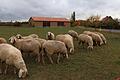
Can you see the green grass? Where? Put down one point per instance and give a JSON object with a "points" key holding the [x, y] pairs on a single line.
{"points": [[103, 63]]}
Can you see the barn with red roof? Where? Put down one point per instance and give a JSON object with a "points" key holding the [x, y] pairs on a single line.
{"points": [[48, 22]]}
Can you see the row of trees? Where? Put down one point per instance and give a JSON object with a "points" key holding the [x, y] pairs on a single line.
{"points": [[13, 23], [108, 22], [96, 22]]}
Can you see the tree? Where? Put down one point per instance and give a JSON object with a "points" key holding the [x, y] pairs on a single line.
{"points": [[94, 21], [73, 16], [72, 21]]}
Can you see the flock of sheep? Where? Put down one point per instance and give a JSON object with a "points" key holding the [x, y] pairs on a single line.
{"points": [[25, 46]]}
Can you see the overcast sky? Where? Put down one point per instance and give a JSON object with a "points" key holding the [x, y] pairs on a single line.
{"points": [[23, 9]]}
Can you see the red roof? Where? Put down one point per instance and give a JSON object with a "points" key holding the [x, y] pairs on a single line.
{"points": [[49, 19]]}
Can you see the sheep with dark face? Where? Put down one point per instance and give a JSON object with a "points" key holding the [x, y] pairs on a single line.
{"points": [[13, 56], [50, 36]]}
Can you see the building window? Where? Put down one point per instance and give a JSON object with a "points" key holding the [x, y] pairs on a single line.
{"points": [[46, 24], [60, 23]]}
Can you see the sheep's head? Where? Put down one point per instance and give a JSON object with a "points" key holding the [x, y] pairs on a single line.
{"points": [[71, 50], [50, 36], [104, 41], [22, 73], [12, 39]]}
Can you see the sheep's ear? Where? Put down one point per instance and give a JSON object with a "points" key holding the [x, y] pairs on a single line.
{"points": [[18, 36], [11, 40]]}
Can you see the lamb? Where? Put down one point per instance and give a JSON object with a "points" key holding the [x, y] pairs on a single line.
{"points": [[102, 36], [51, 47], [68, 40], [86, 39], [96, 38], [27, 45], [3, 40], [73, 33], [50, 36], [12, 56]]}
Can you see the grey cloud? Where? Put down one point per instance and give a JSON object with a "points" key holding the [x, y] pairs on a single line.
{"points": [[23, 9]]}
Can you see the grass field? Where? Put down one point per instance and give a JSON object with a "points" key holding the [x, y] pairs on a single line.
{"points": [[103, 63]]}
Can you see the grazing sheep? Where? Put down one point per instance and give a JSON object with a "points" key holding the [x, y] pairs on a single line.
{"points": [[3, 40], [26, 37], [27, 45], [34, 35], [73, 33], [13, 56], [86, 39], [96, 38], [102, 36], [41, 41], [68, 40], [50, 36], [51, 47]]}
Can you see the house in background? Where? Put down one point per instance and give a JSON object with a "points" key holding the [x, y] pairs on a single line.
{"points": [[48, 22]]}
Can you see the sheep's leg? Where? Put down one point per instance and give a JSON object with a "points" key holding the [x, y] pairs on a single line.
{"points": [[42, 58], [58, 59], [0, 67], [49, 56], [14, 70], [38, 58], [79, 43], [83, 43], [6, 68]]}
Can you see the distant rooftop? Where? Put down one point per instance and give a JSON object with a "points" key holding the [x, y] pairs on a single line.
{"points": [[49, 19]]}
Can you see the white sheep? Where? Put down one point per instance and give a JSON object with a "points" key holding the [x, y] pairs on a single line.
{"points": [[19, 36], [34, 35], [13, 56], [50, 36], [102, 36], [68, 40], [84, 38], [51, 47], [29, 45], [96, 38], [3, 40], [73, 33], [41, 41]]}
